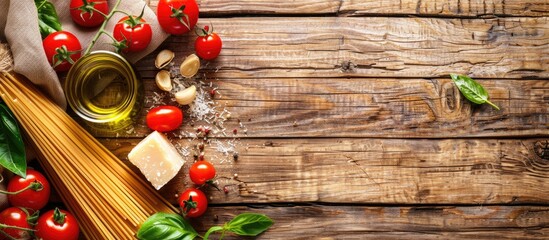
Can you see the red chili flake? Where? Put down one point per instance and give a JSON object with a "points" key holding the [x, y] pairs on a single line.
{"points": [[235, 131], [201, 157], [212, 92], [225, 189]]}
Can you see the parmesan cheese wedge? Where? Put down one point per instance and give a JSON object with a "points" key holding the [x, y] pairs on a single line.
{"points": [[157, 159]]}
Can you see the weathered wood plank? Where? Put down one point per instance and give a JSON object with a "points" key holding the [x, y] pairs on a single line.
{"points": [[411, 108], [240, 7], [373, 47], [375, 7], [450, 8], [357, 222], [357, 170]]}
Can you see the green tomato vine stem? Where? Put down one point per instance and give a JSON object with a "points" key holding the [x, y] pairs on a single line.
{"points": [[36, 186], [102, 28], [2, 226]]}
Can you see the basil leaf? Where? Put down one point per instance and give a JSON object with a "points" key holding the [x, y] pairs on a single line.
{"points": [[12, 149], [48, 21], [166, 226], [249, 224], [472, 90]]}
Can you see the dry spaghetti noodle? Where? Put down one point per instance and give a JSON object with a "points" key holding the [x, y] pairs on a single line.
{"points": [[109, 200]]}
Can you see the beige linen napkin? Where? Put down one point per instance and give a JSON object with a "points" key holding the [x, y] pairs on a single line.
{"points": [[19, 27]]}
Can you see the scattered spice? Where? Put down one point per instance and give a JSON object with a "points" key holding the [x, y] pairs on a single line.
{"points": [[207, 117]]}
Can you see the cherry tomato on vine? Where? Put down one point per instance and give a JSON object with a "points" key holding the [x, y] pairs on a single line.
{"points": [[133, 32], [62, 50], [208, 44], [83, 13], [36, 195], [201, 172], [17, 217], [57, 224], [164, 118], [177, 16], [193, 202]]}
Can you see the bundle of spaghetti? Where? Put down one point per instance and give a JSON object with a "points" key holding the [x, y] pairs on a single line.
{"points": [[109, 200]]}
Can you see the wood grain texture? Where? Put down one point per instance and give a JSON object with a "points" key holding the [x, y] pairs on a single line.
{"points": [[262, 7], [410, 108], [375, 7], [373, 47], [357, 222], [449, 8], [359, 170]]}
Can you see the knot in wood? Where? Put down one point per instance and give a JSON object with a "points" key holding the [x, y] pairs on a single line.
{"points": [[542, 149], [348, 66]]}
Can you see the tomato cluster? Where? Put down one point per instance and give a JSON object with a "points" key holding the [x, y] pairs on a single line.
{"points": [[27, 196], [193, 201], [63, 49], [178, 17]]}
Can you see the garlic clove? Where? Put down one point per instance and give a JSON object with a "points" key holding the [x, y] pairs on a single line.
{"points": [[190, 66], [186, 96], [163, 80], [164, 58]]}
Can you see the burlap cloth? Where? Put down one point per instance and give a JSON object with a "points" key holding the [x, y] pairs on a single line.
{"points": [[19, 27]]}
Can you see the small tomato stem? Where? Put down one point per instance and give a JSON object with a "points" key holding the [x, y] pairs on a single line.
{"points": [[109, 35], [493, 105], [121, 11], [2, 226], [102, 28], [37, 186], [101, 13]]}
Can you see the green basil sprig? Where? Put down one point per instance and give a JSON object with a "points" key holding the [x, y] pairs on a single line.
{"points": [[173, 226], [166, 226], [245, 224], [12, 149], [48, 21], [472, 90]]}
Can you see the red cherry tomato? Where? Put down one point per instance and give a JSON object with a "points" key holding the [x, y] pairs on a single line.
{"points": [[164, 118], [193, 202], [135, 31], [84, 15], [17, 217], [33, 198], [57, 224], [62, 50], [208, 46], [201, 172], [171, 17]]}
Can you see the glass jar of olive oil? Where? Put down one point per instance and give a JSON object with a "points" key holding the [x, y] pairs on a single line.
{"points": [[103, 89]]}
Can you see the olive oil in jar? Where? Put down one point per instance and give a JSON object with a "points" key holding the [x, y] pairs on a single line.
{"points": [[102, 88]]}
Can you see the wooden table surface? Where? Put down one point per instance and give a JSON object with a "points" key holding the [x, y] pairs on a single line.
{"points": [[354, 128]]}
